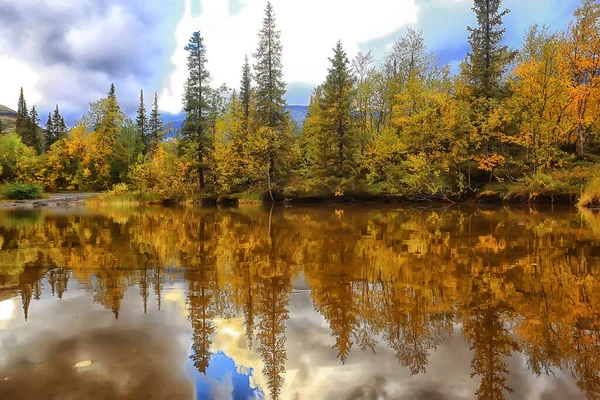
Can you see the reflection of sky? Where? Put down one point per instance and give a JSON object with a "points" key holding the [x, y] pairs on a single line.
{"points": [[224, 380], [162, 342]]}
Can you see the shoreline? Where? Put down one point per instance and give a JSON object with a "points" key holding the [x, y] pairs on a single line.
{"points": [[81, 199], [54, 200]]}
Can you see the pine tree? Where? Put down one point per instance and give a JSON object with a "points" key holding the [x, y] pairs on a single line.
{"points": [[34, 131], [112, 118], [270, 105], [141, 121], [337, 101], [245, 93], [50, 133], [271, 117], [22, 106], [59, 128], [112, 94], [488, 59], [23, 123], [155, 124], [196, 104]]}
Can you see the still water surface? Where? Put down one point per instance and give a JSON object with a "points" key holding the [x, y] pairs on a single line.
{"points": [[299, 303]]}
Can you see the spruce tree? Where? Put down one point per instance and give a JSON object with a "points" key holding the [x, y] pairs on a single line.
{"points": [[196, 103], [59, 129], [155, 124], [270, 87], [50, 132], [245, 93], [112, 118], [141, 121], [489, 58], [22, 106], [337, 101], [271, 118], [35, 139], [25, 128]]}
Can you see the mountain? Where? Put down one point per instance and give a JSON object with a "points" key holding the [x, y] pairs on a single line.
{"points": [[8, 117], [298, 114]]}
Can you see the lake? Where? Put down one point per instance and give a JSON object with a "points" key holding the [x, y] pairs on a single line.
{"points": [[328, 302]]}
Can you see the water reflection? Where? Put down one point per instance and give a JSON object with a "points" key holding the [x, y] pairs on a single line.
{"points": [[470, 303]]}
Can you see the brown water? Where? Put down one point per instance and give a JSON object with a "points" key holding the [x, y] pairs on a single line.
{"points": [[299, 303]]}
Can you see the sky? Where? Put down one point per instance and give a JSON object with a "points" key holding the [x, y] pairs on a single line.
{"points": [[67, 52]]}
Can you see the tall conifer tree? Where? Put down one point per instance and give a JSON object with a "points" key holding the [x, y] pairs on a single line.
{"points": [[141, 121], [196, 103], [245, 93], [35, 136], [489, 58], [271, 117], [337, 102], [50, 132], [23, 123], [22, 106], [155, 123], [59, 128]]}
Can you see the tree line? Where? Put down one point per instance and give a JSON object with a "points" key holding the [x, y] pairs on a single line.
{"points": [[518, 122]]}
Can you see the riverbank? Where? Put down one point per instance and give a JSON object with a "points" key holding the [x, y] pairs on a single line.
{"points": [[51, 200], [484, 198]]}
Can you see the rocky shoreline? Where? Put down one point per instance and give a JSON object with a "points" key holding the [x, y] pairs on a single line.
{"points": [[52, 201]]}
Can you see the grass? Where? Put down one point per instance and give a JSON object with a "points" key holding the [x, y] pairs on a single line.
{"points": [[590, 198], [125, 199], [21, 191], [249, 198]]}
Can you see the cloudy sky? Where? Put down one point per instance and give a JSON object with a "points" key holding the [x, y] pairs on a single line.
{"points": [[69, 51]]}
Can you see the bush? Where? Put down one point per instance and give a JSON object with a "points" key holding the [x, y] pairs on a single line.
{"points": [[21, 191]]}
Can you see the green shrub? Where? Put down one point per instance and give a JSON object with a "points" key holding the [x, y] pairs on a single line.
{"points": [[22, 191]]}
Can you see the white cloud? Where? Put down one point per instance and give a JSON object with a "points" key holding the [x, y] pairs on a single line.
{"points": [[28, 79], [309, 31]]}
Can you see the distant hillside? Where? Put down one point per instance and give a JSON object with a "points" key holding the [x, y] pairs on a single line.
{"points": [[298, 114], [8, 117]]}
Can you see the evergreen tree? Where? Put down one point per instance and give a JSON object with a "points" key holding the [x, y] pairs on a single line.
{"points": [[141, 121], [270, 105], [50, 132], [155, 124], [59, 128], [112, 94], [271, 118], [112, 118], [1, 127], [23, 123], [196, 104], [35, 132], [22, 106], [488, 59], [245, 93], [337, 101]]}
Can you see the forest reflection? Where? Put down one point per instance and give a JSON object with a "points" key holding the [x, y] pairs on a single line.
{"points": [[514, 281]]}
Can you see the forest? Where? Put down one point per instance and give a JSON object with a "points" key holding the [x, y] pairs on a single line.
{"points": [[512, 124]]}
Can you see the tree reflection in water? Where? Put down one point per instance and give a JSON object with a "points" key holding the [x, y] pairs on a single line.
{"points": [[508, 281]]}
